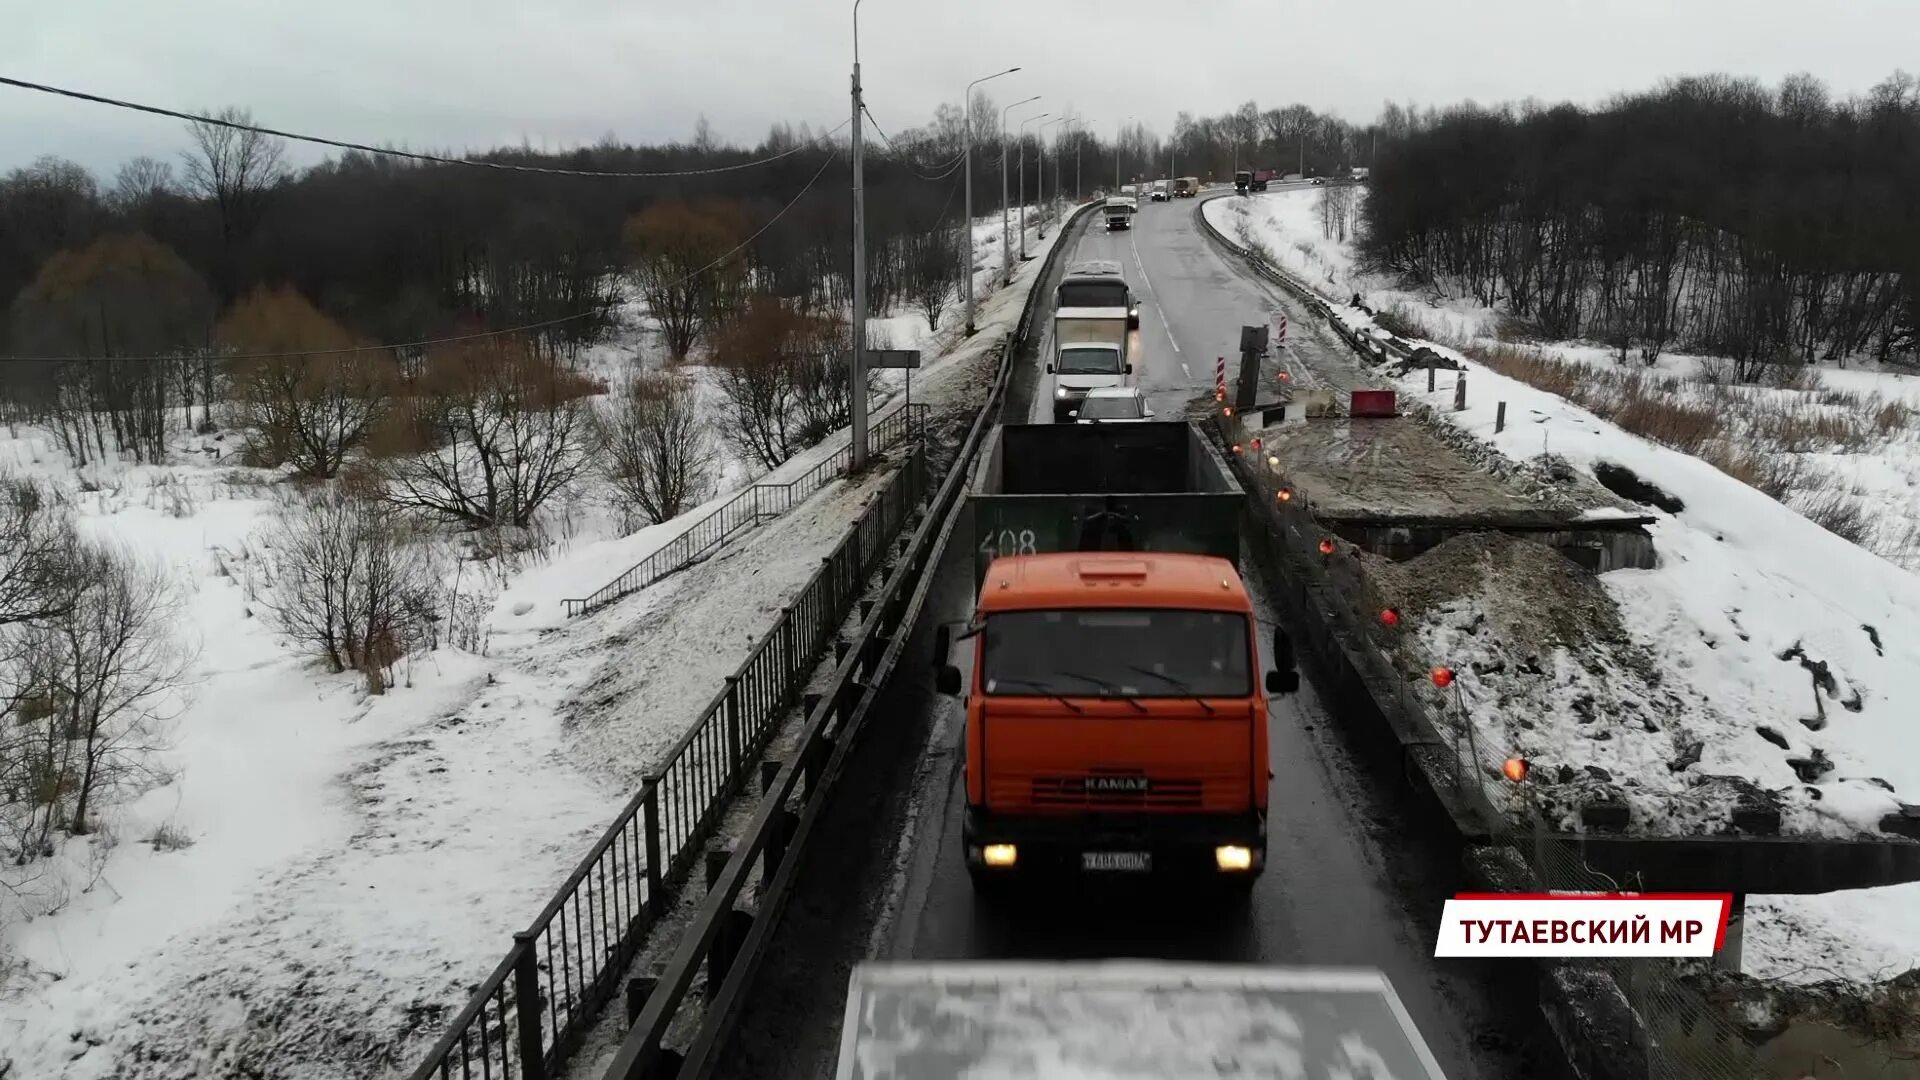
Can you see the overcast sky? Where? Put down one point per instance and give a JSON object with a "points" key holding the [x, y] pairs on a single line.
{"points": [[556, 73]]}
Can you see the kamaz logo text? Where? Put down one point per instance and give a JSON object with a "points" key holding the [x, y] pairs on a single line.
{"points": [[1130, 785]]}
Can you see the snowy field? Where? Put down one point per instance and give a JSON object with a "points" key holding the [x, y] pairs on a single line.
{"points": [[313, 877], [1782, 653]]}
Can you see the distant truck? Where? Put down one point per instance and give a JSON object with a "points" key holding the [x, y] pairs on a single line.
{"points": [[1114, 721], [947, 1020], [1361, 172], [1261, 177], [1185, 187], [1242, 180], [1119, 212]]}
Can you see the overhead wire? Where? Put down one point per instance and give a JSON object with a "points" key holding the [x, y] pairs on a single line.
{"points": [[455, 338], [435, 159], [941, 171]]}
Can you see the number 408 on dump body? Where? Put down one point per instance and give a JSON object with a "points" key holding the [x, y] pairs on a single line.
{"points": [[1008, 542]]}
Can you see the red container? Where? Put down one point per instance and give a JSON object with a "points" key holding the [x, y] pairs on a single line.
{"points": [[1373, 403]]}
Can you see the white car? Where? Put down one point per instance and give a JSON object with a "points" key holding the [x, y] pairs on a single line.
{"points": [[1113, 405]]}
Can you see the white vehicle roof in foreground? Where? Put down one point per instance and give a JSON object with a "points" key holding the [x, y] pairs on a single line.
{"points": [[1125, 1021], [1094, 268], [1114, 391]]}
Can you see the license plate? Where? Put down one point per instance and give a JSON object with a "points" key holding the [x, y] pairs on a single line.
{"points": [[1129, 862]]}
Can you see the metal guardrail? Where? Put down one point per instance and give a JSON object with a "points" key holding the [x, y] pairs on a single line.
{"points": [[723, 939], [748, 508], [569, 961], [1675, 1033]]}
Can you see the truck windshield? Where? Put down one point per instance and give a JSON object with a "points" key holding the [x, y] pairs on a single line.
{"points": [[1088, 362], [1117, 652], [1092, 294]]}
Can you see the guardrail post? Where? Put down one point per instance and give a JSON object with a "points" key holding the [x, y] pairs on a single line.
{"points": [[526, 1007], [733, 929], [776, 846], [650, 819], [639, 989], [789, 652]]}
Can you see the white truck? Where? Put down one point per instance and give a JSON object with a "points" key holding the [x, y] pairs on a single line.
{"points": [[1120, 212], [1090, 351], [1127, 1020]]}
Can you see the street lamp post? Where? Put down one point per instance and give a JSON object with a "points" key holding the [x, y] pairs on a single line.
{"points": [[966, 230], [857, 389], [1006, 241], [1041, 183], [1023, 180]]}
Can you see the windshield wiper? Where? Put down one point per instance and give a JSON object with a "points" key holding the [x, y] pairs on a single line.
{"points": [[1045, 691], [1173, 682], [1110, 688]]}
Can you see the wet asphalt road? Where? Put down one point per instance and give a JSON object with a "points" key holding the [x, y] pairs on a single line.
{"points": [[1355, 876]]}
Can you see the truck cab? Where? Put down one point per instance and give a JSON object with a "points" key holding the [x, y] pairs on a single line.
{"points": [[1119, 212], [1079, 367], [1116, 710], [1097, 286], [1242, 180]]}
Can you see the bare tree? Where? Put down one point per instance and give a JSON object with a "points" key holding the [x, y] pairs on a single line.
{"points": [[493, 431], [657, 449], [930, 260], [348, 584], [237, 169], [300, 399], [139, 182], [674, 248], [112, 669]]}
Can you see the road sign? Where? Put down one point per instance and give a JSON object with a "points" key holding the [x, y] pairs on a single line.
{"points": [[893, 358]]}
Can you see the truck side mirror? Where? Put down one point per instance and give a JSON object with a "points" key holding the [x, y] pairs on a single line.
{"points": [[942, 641], [1129, 370], [1049, 369], [1282, 651], [1282, 682], [947, 679]]}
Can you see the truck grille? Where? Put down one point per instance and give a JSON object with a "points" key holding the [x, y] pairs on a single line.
{"points": [[1161, 792]]}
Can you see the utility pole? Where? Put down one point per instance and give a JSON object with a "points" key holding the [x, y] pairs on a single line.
{"points": [[966, 228], [1023, 183], [858, 390], [1303, 155]]}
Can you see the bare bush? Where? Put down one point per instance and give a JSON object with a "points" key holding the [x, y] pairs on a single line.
{"points": [[1687, 428], [493, 430], [307, 404], [1838, 511], [657, 450], [90, 688], [348, 584], [673, 248]]}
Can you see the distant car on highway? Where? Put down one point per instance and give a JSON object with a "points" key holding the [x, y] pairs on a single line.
{"points": [[1113, 405]]}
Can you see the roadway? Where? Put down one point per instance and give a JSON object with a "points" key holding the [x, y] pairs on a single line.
{"points": [[1354, 876]]}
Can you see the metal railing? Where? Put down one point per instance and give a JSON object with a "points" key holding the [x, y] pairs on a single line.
{"points": [[568, 963], [748, 508]]}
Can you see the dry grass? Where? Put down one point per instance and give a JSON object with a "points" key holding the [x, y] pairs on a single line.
{"points": [[1891, 418], [1801, 430], [1836, 510]]}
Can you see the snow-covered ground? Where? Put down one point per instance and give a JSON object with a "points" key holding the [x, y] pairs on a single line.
{"points": [[1779, 652], [354, 864]]}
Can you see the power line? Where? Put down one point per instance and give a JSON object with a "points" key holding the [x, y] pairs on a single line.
{"points": [[434, 159], [454, 339], [942, 171]]}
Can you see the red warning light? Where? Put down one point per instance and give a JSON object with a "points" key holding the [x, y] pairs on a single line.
{"points": [[1326, 547], [1515, 769], [1286, 376], [1285, 494], [1443, 677], [1389, 617]]}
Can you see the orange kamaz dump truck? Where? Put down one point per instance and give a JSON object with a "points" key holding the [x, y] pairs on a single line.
{"points": [[1116, 713]]}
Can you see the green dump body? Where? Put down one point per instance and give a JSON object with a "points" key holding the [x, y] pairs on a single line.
{"points": [[1103, 487]]}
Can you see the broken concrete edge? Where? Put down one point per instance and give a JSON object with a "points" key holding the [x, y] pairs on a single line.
{"points": [[1592, 1021]]}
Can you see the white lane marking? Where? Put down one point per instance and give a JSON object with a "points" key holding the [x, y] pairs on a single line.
{"points": [[1164, 325]]}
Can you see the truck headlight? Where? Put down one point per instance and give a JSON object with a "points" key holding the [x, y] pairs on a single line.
{"points": [[1060, 392], [1000, 855]]}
